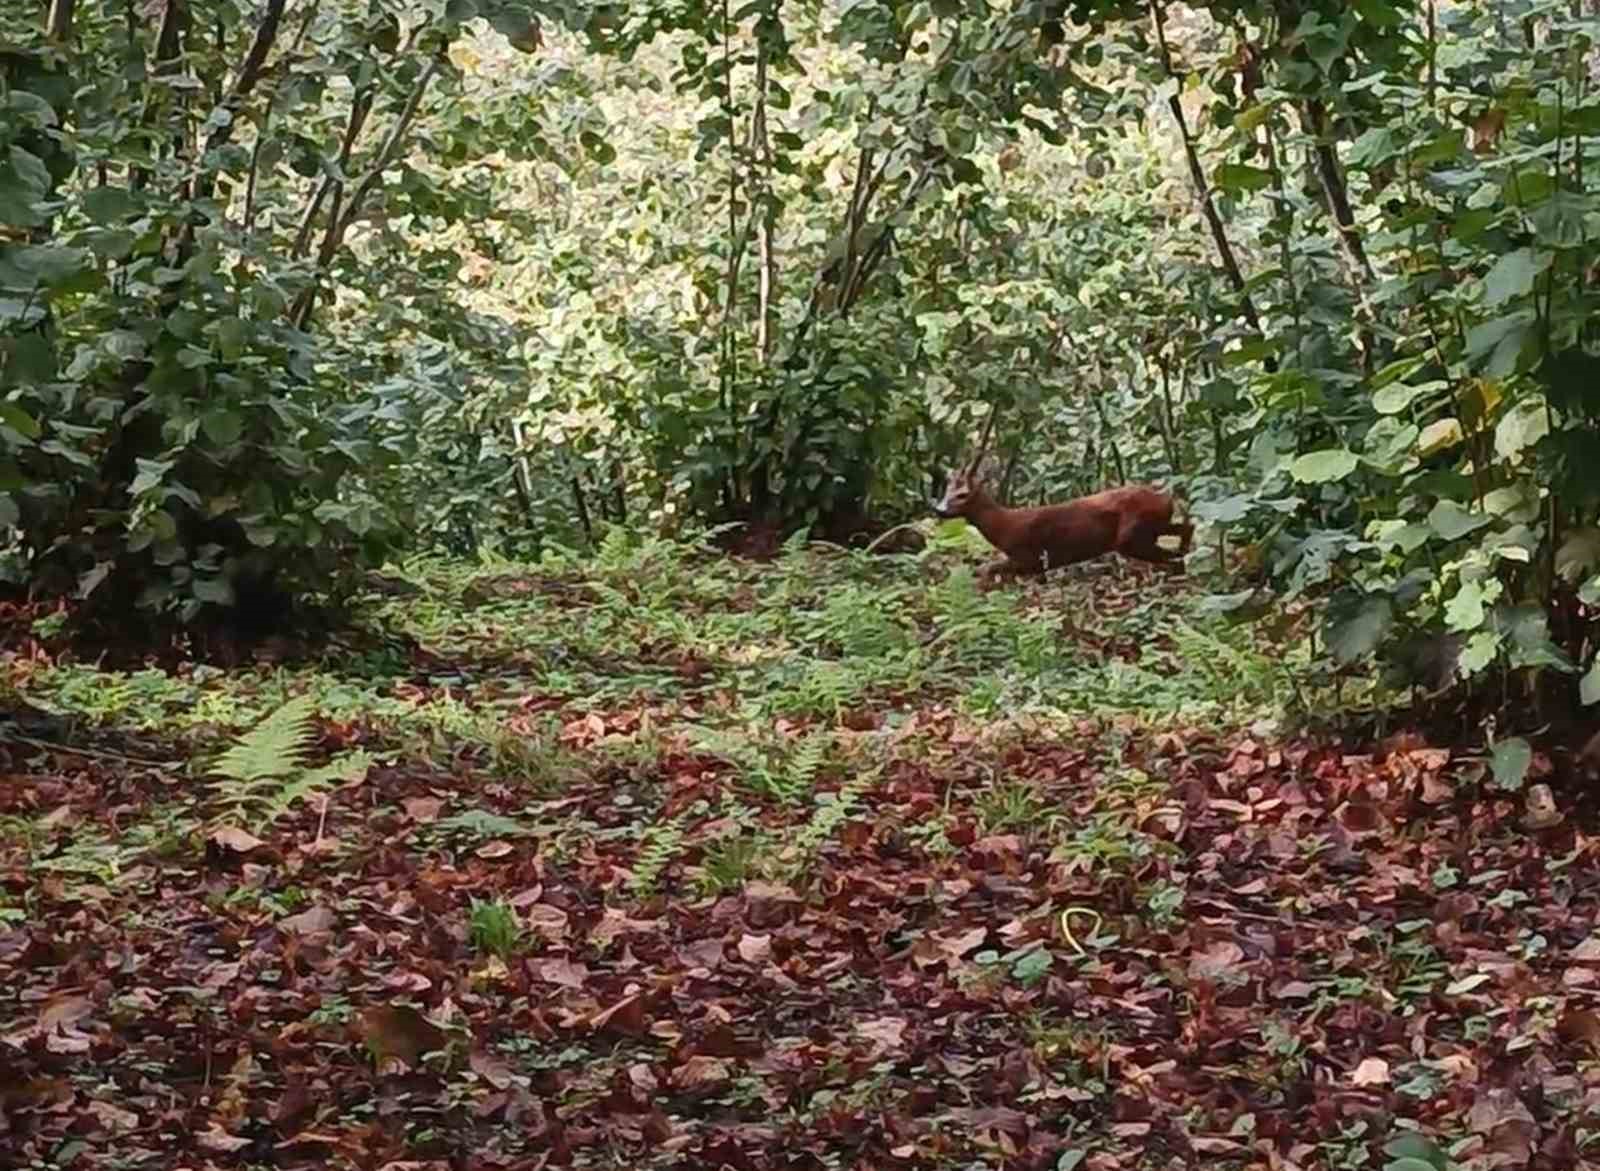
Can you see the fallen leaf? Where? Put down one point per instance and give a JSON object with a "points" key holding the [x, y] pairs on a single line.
{"points": [[400, 1031], [755, 949], [422, 810], [220, 1141], [1373, 1071], [888, 1032], [310, 921], [231, 837], [700, 1071], [1220, 957], [113, 1117]]}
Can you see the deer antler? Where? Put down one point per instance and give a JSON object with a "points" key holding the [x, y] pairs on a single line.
{"points": [[983, 441]]}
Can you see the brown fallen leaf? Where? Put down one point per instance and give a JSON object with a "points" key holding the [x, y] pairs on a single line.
{"points": [[1372, 1071], [220, 1141], [957, 945], [888, 1032], [700, 1071], [755, 949], [491, 1069], [310, 921], [113, 1117], [231, 837], [399, 1031], [422, 810], [1215, 960], [564, 972], [64, 1010]]}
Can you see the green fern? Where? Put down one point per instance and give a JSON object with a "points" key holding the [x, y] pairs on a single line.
{"points": [[263, 774], [659, 848], [832, 811]]}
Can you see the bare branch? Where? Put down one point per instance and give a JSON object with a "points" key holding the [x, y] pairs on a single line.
{"points": [[360, 107], [340, 220]]}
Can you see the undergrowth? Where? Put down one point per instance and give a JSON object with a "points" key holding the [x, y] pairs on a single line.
{"points": [[792, 685]]}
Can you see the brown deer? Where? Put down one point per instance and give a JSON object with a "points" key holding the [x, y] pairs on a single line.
{"points": [[1129, 520]]}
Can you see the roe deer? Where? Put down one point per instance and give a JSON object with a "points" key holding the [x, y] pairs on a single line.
{"points": [[1129, 520]]}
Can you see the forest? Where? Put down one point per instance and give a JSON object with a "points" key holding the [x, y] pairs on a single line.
{"points": [[524, 641]]}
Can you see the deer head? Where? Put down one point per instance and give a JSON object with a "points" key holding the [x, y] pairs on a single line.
{"points": [[966, 484]]}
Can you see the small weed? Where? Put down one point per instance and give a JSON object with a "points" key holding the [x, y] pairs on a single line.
{"points": [[1011, 805], [729, 862], [493, 928]]}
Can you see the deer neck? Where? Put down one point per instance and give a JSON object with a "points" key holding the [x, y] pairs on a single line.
{"points": [[986, 515]]}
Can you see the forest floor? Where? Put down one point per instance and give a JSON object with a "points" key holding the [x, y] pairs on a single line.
{"points": [[673, 860]]}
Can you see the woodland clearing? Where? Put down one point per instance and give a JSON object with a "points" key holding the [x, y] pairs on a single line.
{"points": [[668, 859]]}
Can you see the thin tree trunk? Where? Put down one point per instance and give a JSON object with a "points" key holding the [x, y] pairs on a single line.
{"points": [[1202, 188]]}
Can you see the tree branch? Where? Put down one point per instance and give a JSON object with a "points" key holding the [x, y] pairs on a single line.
{"points": [[1197, 175], [360, 107], [58, 25], [339, 223]]}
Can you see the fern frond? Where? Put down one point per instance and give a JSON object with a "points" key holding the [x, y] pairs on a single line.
{"points": [[275, 747], [262, 775]]}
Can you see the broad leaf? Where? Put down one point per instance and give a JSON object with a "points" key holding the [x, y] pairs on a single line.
{"points": [[1513, 275], [1452, 522], [1323, 467], [1510, 762], [1356, 634], [1527, 422]]}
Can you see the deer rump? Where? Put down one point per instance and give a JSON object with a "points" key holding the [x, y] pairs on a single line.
{"points": [[1129, 520]]}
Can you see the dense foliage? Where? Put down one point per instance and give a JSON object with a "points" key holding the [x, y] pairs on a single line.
{"points": [[1324, 267]]}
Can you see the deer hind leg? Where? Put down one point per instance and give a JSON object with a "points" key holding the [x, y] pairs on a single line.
{"points": [[1143, 544], [1184, 531]]}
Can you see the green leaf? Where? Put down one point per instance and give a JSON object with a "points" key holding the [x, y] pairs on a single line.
{"points": [[216, 590], [106, 205], [1589, 685], [1236, 177], [23, 182], [1396, 397], [1513, 275], [599, 148], [1397, 371], [1527, 422], [1559, 221], [222, 426], [1579, 554], [1032, 967], [1418, 1148], [1357, 634], [151, 473], [1452, 522], [1510, 762], [1323, 467], [19, 421], [1479, 652], [33, 359], [1408, 1163], [1069, 1160], [1502, 340], [1465, 610], [10, 515], [1372, 148]]}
